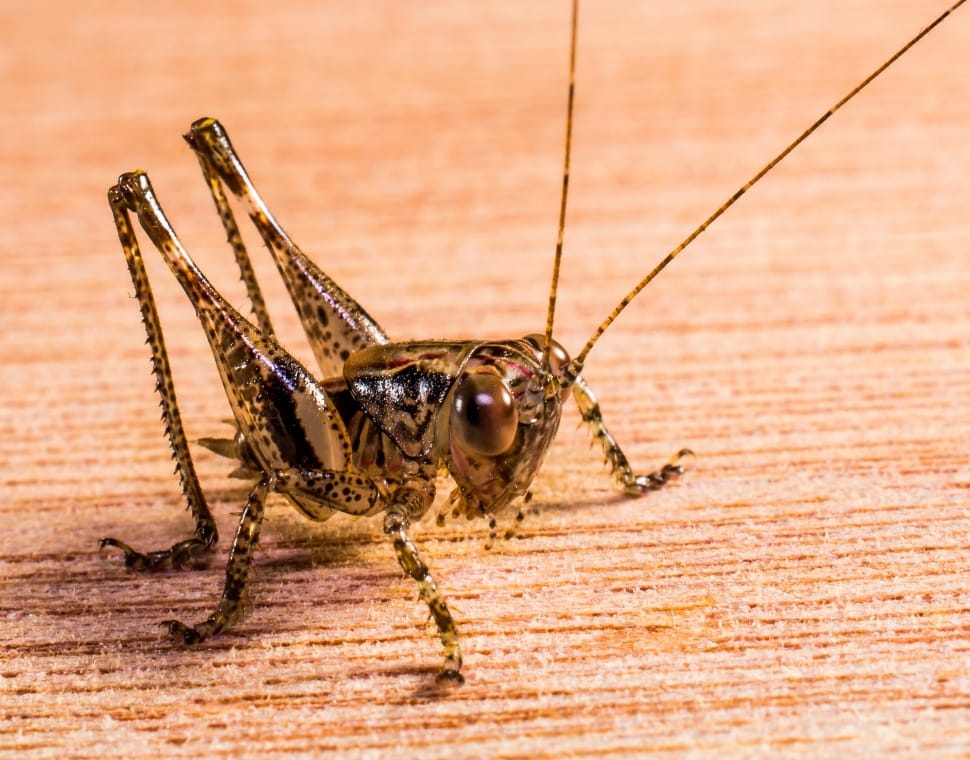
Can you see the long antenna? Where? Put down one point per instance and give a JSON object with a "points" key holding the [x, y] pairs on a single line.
{"points": [[577, 363], [550, 315]]}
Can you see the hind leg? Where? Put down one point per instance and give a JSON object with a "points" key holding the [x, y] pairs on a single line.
{"points": [[335, 324], [205, 534]]}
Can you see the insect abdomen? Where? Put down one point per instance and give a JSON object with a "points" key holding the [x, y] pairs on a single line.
{"points": [[374, 454]]}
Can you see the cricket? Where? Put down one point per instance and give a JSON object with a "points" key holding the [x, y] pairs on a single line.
{"points": [[371, 429]]}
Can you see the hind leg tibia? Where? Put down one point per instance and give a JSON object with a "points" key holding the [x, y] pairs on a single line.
{"points": [[205, 534], [335, 324]]}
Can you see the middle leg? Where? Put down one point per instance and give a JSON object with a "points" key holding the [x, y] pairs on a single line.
{"points": [[237, 574]]}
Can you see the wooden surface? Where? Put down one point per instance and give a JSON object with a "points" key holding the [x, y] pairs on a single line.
{"points": [[802, 592]]}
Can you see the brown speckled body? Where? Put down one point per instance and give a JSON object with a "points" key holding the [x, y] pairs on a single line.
{"points": [[369, 437]]}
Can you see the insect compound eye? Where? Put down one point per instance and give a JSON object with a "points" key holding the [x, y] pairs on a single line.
{"points": [[484, 415]]}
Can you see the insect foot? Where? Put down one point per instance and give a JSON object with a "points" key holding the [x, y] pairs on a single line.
{"points": [[638, 484], [192, 550]]}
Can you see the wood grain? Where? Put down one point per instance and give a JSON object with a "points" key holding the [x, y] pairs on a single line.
{"points": [[802, 592]]}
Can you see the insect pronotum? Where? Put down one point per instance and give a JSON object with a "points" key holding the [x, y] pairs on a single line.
{"points": [[370, 433]]}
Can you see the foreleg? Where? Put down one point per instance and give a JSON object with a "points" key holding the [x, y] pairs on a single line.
{"points": [[631, 483], [410, 502]]}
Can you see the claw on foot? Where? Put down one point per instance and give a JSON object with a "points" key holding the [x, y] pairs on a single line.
{"points": [[136, 560], [181, 633], [449, 676], [653, 481], [677, 465], [682, 459]]}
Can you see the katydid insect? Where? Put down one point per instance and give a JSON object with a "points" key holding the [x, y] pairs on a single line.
{"points": [[370, 433]]}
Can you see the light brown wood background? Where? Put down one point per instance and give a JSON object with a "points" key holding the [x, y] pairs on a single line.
{"points": [[802, 592]]}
